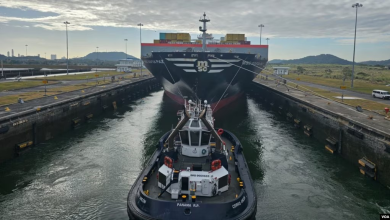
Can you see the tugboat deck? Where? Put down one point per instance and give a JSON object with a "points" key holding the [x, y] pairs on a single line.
{"points": [[184, 162]]}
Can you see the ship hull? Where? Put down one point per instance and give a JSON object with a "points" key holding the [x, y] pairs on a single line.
{"points": [[219, 78]]}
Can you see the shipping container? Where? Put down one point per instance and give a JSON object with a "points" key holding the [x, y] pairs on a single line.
{"points": [[183, 36], [162, 36], [173, 36], [229, 37], [156, 41], [198, 41], [163, 41], [168, 36], [241, 37], [245, 42]]}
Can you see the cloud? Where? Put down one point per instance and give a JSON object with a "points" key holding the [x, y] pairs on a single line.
{"points": [[282, 18]]}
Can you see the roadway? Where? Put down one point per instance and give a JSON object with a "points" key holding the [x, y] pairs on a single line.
{"points": [[32, 104], [340, 91]]}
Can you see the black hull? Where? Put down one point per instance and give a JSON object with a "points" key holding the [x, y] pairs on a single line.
{"points": [[141, 206], [215, 77]]}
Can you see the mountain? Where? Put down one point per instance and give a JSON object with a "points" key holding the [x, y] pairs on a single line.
{"points": [[383, 62], [110, 56], [319, 59]]}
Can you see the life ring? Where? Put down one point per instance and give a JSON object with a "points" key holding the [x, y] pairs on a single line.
{"points": [[215, 165], [220, 131], [204, 151], [168, 162]]}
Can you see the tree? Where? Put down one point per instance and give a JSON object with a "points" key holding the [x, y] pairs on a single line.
{"points": [[300, 70], [347, 72]]}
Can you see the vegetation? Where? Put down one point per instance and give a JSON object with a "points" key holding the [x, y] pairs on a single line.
{"points": [[12, 85], [11, 99], [109, 56], [367, 78], [329, 59], [319, 59], [364, 103]]}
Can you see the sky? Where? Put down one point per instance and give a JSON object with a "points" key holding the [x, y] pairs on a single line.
{"points": [[296, 28]]}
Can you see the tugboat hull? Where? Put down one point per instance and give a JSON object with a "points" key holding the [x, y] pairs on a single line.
{"points": [[234, 206]]}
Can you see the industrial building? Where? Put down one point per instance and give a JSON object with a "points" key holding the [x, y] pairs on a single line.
{"points": [[281, 70]]}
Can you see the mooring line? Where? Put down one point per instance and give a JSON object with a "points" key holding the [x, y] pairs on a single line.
{"points": [[228, 85], [174, 82]]}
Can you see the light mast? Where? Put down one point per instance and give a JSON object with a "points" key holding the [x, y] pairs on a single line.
{"points": [[204, 20]]}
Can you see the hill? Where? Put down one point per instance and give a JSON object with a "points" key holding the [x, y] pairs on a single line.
{"points": [[383, 62], [110, 56], [319, 59]]}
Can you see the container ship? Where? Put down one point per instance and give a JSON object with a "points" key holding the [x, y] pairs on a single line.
{"points": [[204, 68]]}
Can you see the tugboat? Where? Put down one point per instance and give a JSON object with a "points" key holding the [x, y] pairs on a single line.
{"points": [[196, 172]]}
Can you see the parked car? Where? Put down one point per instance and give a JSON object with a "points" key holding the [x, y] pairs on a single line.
{"points": [[381, 94]]}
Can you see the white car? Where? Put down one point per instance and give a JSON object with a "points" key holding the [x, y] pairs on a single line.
{"points": [[381, 94]]}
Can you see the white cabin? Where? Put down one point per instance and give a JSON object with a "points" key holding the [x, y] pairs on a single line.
{"points": [[281, 70], [125, 65]]}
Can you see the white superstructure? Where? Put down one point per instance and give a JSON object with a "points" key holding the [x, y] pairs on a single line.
{"points": [[200, 178]]}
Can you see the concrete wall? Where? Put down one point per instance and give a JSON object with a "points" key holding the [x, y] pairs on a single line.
{"points": [[370, 144], [40, 126]]}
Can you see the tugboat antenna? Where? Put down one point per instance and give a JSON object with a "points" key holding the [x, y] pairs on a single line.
{"points": [[204, 29]]}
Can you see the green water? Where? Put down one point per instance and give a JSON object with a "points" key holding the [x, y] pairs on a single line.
{"points": [[87, 173]]}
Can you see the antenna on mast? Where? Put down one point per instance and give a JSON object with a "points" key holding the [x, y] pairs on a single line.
{"points": [[204, 21]]}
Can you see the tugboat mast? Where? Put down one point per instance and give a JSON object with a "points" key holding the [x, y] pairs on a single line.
{"points": [[204, 20]]}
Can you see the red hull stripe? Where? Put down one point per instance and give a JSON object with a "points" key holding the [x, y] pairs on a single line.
{"points": [[208, 45], [221, 104]]}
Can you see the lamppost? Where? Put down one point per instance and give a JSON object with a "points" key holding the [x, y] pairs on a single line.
{"points": [[126, 48], [97, 57], [357, 5], [67, 58], [140, 47], [261, 28], [26, 49], [267, 40]]}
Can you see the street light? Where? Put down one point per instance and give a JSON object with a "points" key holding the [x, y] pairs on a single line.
{"points": [[97, 57], [126, 48], [267, 40], [261, 27], [67, 58], [357, 5], [26, 49], [140, 41]]}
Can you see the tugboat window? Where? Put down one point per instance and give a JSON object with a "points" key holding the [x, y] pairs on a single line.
{"points": [[195, 124], [194, 138], [162, 178], [184, 137], [184, 183], [205, 138]]}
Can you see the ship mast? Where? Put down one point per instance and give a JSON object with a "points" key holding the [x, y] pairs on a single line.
{"points": [[204, 20]]}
